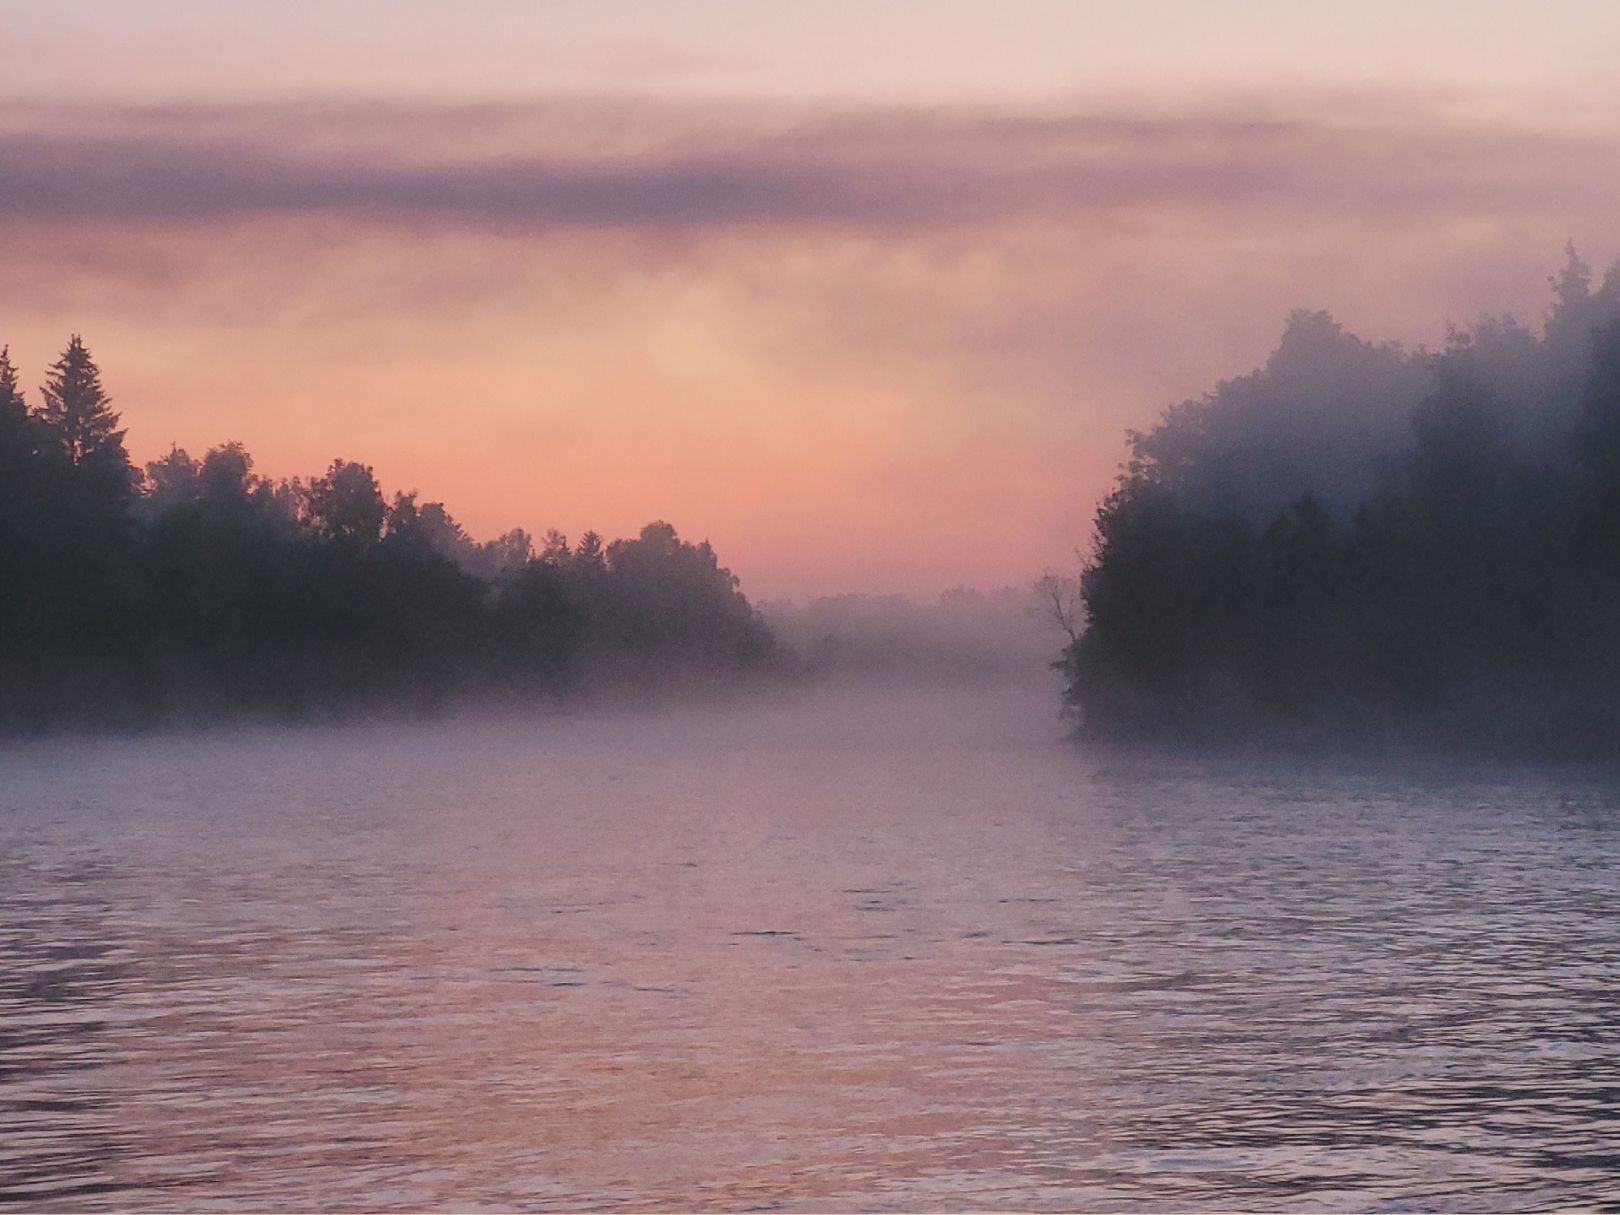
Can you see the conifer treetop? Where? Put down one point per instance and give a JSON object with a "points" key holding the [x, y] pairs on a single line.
{"points": [[76, 407]]}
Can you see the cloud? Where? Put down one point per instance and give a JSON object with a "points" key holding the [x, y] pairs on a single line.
{"points": [[617, 165]]}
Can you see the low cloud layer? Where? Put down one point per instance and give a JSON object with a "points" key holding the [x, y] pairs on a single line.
{"points": [[613, 164]]}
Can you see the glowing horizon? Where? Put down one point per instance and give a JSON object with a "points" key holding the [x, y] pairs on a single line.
{"points": [[863, 332]]}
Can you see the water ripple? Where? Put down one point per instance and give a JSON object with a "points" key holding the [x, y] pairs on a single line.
{"points": [[274, 972]]}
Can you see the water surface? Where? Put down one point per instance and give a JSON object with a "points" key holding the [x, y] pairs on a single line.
{"points": [[872, 952]]}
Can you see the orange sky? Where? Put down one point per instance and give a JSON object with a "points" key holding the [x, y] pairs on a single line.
{"points": [[864, 294]]}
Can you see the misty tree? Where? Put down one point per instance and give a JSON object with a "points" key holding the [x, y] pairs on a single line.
{"points": [[430, 526], [1574, 311], [507, 553], [1596, 531], [554, 548], [589, 554], [225, 477], [1598, 437], [1058, 599], [663, 594], [540, 621], [170, 481], [1314, 419], [347, 503], [1259, 573]]}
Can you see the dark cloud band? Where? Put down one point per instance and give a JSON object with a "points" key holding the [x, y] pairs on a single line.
{"points": [[538, 167]]}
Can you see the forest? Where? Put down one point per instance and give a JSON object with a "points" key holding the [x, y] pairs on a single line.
{"points": [[1359, 544], [193, 589]]}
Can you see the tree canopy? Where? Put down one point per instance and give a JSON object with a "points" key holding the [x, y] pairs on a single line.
{"points": [[1359, 543], [194, 587]]}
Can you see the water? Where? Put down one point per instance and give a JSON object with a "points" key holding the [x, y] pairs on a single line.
{"points": [[869, 953]]}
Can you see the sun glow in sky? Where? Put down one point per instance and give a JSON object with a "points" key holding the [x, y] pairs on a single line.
{"points": [[864, 293]]}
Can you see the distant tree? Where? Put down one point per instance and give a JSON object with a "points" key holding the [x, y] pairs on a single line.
{"points": [[1598, 437], [590, 553], [288, 499], [1597, 453], [554, 548], [226, 476], [664, 599], [171, 481], [17, 450], [17, 429], [506, 554], [431, 527], [347, 504], [538, 625], [13, 409], [443, 534], [403, 518], [77, 412], [1571, 319]]}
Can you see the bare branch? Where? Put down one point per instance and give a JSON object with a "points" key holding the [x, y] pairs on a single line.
{"points": [[1059, 600]]}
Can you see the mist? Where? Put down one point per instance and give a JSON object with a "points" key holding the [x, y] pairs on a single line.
{"points": [[965, 637]]}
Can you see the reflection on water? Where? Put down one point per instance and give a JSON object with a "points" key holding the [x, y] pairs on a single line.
{"points": [[870, 955]]}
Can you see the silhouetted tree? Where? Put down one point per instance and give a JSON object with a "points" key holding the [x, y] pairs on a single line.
{"points": [[590, 552], [664, 599], [170, 481], [225, 479], [200, 587], [18, 498], [539, 626], [13, 409], [508, 553], [554, 548], [76, 411], [347, 503], [19, 437]]}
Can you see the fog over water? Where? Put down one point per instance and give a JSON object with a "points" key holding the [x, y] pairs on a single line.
{"points": [[829, 951]]}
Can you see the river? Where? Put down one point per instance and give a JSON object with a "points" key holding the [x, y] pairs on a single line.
{"points": [[871, 951]]}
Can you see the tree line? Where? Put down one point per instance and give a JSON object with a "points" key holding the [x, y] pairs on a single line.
{"points": [[195, 587], [1360, 543]]}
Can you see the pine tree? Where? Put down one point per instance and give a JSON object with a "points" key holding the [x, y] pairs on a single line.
{"points": [[12, 406], [17, 430], [77, 412]]}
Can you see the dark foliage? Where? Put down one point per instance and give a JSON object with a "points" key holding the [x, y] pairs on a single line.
{"points": [[1279, 562], [196, 588]]}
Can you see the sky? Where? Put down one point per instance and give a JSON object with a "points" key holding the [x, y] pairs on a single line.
{"points": [[866, 294]]}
